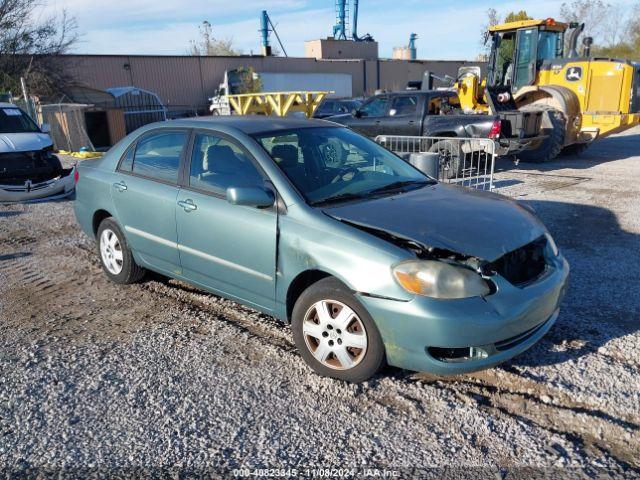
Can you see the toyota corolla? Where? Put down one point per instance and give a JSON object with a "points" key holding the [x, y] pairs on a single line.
{"points": [[368, 259]]}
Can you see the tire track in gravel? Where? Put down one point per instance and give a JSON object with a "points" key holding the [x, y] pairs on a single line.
{"points": [[506, 393]]}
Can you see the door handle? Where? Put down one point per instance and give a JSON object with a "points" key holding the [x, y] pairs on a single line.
{"points": [[120, 186], [188, 205]]}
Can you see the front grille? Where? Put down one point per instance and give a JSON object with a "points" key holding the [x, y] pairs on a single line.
{"points": [[18, 167], [524, 265]]}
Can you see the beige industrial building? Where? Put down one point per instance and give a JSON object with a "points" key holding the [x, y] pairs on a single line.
{"points": [[332, 49], [186, 82]]}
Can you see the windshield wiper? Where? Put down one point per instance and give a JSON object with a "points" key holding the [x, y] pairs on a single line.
{"points": [[342, 197], [397, 185]]}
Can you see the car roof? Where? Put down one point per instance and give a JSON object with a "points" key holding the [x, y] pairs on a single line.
{"points": [[7, 105], [418, 92], [250, 124]]}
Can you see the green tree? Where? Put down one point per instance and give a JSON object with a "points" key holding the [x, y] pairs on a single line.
{"points": [[207, 44], [615, 28], [517, 16]]}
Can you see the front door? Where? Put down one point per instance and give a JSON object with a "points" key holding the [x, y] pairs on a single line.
{"points": [[228, 248], [368, 121], [144, 194]]}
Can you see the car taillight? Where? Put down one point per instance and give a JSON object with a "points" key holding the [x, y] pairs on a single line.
{"points": [[496, 128], [76, 176]]}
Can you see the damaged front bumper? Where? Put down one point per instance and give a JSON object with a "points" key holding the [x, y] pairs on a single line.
{"points": [[58, 187], [448, 337]]}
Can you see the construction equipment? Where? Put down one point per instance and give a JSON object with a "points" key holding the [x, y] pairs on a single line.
{"points": [[582, 97]]}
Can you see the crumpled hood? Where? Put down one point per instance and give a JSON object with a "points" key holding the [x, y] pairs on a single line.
{"points": [[465, 221], [23, 142]]}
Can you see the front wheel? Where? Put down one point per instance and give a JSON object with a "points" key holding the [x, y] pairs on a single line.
{"points": [[575, 149], [555, 130], [335, 334]]}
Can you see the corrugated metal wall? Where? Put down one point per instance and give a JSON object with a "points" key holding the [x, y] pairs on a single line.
{"points": [[187, 82]]}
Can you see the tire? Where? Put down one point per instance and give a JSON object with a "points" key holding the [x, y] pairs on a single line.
{"points": [[328, 339], [215, 112], [555, 128], [574, 150], [334, 153], [115, 255], [450, 158]]}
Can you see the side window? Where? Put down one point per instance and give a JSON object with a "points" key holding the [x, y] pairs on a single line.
{"points": [[158, 155], [404, 105], [375, 108], [434, 105], [327, 107], [525, 73], [126, 164], [217, 164]]}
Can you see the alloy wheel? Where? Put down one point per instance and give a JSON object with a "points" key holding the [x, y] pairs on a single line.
{"points": [[334, 334], [111, 251]]}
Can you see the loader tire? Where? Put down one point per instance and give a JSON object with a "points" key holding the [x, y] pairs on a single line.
{"points": [[574, 150], [555, 129]]}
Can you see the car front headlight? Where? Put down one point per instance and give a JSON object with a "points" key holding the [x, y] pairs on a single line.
{"points": [[439, 280], [552, 245]]}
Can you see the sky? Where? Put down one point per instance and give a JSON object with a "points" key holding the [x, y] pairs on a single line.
{"points": [[446, 29]]}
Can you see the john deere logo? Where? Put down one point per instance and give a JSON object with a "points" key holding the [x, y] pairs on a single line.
{"points": [[574, 74]]}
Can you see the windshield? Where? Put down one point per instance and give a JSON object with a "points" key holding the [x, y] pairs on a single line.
{"points": [[14, 120], [333, 164]]}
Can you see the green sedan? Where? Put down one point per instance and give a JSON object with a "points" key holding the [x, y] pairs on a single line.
{"points": [[370, 260]]}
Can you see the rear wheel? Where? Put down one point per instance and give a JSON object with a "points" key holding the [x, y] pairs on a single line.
{"points": [[335, 334], [115, 255], [554, 127]]}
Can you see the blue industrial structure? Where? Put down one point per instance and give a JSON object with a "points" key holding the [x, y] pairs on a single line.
{"points": [[266, 27], [413, 51], [341, 28]]}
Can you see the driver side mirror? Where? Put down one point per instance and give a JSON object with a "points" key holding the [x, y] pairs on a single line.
{"points": [[45, 128], [257, 197], [357, 113]]}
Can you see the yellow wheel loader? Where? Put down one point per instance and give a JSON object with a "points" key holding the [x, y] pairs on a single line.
{"points": [[533, 69]]}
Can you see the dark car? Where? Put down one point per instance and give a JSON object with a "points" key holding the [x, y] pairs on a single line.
{"points": [[331, 107]]}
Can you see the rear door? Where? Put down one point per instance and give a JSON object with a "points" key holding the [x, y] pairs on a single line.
{"points": [[443, 116], [145, 193], [228, 248]]}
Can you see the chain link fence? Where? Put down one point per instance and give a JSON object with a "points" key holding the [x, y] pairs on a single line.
{"points": [[468, 162]]}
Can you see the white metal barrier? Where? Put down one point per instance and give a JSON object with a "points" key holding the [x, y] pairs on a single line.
{"points": [[468, 162]]}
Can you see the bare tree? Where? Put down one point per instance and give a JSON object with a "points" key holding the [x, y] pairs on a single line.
{"points": [[207, 44], [30, 47], [615, 28]]}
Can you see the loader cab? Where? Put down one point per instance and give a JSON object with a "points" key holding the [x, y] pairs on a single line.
{"points": [[518, 49]]}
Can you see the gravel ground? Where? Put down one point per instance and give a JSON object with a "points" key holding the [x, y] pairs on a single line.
{"points": [[101, 378]]}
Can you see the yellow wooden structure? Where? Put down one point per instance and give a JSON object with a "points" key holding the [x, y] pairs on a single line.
{"points": [[276, 103]]}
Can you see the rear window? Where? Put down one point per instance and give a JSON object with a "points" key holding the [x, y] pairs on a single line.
{"points": [[14, 120], [158, 155]]}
